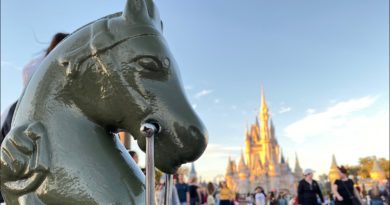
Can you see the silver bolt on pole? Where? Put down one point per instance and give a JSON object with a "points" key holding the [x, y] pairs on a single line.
{"points": [[149, 130], [168, 189]]}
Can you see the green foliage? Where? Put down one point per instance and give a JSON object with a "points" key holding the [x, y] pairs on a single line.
{"points": [[365, 166]]}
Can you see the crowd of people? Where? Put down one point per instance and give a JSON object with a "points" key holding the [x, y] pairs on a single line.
{"points": [[344, 192]]}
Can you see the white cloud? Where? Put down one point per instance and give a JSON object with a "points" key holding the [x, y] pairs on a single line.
{"points": [[284, 110], [213, 162], [194, 106], [337, 120], [310, 111], [10, 65], [203, 93], [218, 151]]}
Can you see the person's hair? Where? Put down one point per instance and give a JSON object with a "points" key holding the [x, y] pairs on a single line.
{"points": [[261, 190], [57, 38], [193, 179], [132, 153], [222, 183], [210, 188], [343, 170], [375, 190]]}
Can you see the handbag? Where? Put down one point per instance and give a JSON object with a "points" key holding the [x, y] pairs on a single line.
{"points": [[354, 199]]}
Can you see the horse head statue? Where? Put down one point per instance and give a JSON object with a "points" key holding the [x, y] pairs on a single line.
{"points": [[113, 74]]}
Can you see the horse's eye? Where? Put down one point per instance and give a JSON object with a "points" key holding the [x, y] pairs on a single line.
{"points": [[149, 63]]}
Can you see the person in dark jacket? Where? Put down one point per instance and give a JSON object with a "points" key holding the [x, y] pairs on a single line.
{"points": [[309, 192], [343, 188]]}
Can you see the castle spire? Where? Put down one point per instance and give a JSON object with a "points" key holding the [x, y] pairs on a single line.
{"points": [[282, 161], [243, 170], [263, 108], [334, 171], [297, 170], [193, 171], [248, 143], [264, 130], [334, 163]]}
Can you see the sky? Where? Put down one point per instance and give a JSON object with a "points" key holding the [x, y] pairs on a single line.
{"points": [[323, 65]]}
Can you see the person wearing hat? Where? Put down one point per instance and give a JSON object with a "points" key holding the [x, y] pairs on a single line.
{"points": [[309, 192], [343, 189]]}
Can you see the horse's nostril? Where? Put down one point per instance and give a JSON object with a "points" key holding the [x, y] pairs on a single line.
{"points": [[151, 124], [194, 132]]}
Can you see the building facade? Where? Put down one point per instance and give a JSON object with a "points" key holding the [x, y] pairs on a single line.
{"points": [[262, 163]]}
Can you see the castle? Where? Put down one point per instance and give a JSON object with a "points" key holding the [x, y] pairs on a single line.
{"points": [[262, 163]]}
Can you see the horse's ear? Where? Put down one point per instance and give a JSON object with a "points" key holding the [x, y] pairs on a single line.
{"points": [[135, 11]]}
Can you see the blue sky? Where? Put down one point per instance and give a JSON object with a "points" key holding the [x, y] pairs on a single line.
{"points": [[324, 66]]}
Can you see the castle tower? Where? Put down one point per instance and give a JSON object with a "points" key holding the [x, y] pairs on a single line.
{"points": [[243, 170], [264, 130], [192, 171], [377, 172], [334, 171], [274, 142], [298, 170], [256, 172], [243, 175], [248, 146], [231, 175], [273, 166]]}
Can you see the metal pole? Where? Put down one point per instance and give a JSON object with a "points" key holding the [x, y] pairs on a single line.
{"points": [[168, 189], [149, 130]]}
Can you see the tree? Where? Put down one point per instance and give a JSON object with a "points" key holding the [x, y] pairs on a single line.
{"points": [[366, 164], [353, 170]]}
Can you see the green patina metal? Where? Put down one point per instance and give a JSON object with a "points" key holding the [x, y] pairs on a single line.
{"points": [[112, 74]]}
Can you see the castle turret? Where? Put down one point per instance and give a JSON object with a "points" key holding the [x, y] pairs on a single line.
{"points": [[264, 130], [273, 167], [256, 172], [297, 170], [274, 142], [377, 172], [334, 171], [231, 175], [192, 171], [243, 175], [243, 170], [248, 143]]}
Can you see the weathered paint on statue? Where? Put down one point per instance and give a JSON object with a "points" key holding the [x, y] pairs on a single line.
{"points": [[112, 74]]}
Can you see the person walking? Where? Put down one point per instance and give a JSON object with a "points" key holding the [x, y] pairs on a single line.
{"points": [[182, 190], [282, 199], [376, 195], [210, 194], [260, 196], [226, 196], [343, 189], [308, 190], [195, 197]]}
